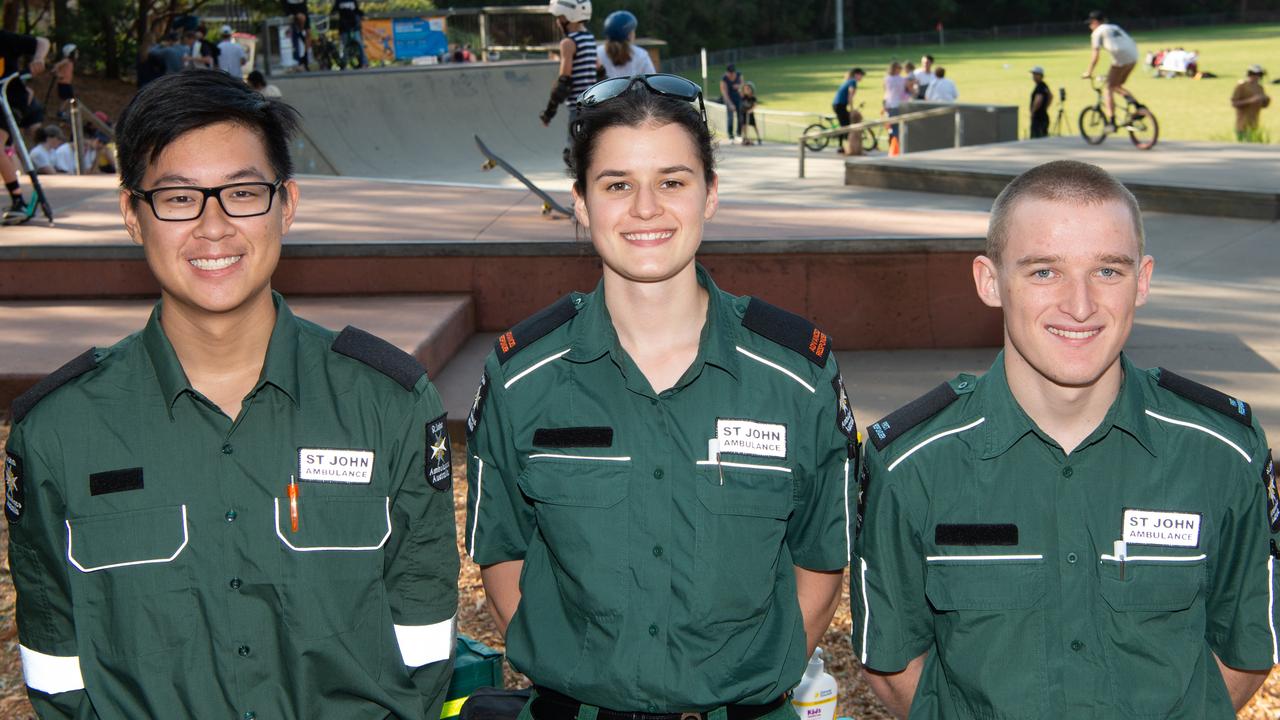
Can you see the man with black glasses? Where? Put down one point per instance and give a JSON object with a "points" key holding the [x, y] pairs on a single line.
{"points": [[232, 512]]}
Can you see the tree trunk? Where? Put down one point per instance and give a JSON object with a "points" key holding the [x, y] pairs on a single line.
{"points": [[63, 21], [10, 21], [110, 45]]}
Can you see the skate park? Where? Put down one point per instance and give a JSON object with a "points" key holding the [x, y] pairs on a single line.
{"points": [[403, 233]]}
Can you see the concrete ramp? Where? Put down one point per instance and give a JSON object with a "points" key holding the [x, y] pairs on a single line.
{"points": [[417, 123]]}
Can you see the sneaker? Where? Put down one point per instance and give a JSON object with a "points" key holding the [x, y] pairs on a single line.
{"points": [[20, 212], [1109, 127]]}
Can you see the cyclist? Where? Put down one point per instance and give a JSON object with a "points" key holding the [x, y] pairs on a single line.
{"points": [[349, 15], [1124, 55], [842, 105], [619, 56]]}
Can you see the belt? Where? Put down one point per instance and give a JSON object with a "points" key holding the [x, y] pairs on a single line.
{"points": [[551, 705]]}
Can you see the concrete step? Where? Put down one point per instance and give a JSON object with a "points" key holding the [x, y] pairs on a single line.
{"points": [[42, 335]]}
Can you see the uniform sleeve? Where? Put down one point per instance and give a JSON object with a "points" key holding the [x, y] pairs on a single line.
{"points": [[499, 519], [421, 566], [37, 559], [892, 623], [818, 532], [1241, 606]]}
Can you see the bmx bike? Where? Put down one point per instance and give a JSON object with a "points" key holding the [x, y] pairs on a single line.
{"points": [[1134, 118], [870, 140]]}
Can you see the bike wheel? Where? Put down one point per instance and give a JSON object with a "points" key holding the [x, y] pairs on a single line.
{"points": [[1143, 128], [818, 143], [1093, 125], [869, 140]]}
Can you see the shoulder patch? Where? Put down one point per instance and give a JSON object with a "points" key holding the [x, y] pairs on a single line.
{"points": [[910, 415], [535, 326], [788, 330], [23, 404], [1237, 410], [379, 355]]}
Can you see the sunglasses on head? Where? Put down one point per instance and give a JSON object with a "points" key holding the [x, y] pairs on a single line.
{"points": [[672, 86]]}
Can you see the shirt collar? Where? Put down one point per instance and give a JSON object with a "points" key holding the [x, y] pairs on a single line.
{"points": [[280, 369], [1006, 422]]}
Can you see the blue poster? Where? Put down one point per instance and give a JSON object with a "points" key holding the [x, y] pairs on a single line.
{"points": [[416, 37]]}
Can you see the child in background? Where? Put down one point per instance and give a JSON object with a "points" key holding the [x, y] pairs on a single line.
{"points": [[749, 102], [63, 74]]}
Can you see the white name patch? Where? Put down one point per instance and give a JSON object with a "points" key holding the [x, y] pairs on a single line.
{"points": [[1152, 527], [748, 437], [337, 466]]}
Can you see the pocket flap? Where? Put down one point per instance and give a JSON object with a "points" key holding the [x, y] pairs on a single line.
{"points": [[335, 523], [984, 584], [122, 539], [1154, 586], [734, 489], [580, 481]]}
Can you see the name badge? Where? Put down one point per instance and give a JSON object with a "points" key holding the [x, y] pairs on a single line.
{"points": [[748, 437], [336, 466], [1152, 527]]}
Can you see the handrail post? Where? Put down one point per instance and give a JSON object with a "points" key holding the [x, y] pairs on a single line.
{"points": [[959, 118], [802, 156], [77, 134], [902, 137]]}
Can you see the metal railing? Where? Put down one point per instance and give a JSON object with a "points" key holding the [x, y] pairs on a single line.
{"points": [[20, 148], [79, 113], [903, 123]]}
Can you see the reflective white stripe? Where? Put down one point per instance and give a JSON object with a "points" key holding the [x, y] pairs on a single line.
{"points": [[176, 553], [926, 441], [745, 466], [1155, 558], [475, 521], [533, 367], [980, 558], [291, 546], [848, 544], [424, 644], [50, 673], [777, 367], [1271, 608], [866, 611], [1202, 429], [554, 456]]}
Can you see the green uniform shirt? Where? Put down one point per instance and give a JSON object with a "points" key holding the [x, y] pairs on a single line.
{"points": [[656, 578], [157, 571], [986, 546]]}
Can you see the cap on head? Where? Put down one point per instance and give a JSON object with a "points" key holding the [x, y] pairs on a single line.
{"points": [[1097, 15], [1037, 70], [226, 30], [731, 68], [1256, 69]]}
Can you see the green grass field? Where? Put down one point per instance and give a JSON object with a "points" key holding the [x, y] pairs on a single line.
{"points": [[997, 72]]}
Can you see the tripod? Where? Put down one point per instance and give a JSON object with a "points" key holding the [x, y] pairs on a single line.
{"points": [[1061, 126]]}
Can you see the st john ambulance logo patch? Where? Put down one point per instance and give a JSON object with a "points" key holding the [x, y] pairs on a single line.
{"points": [[14, 495], [439, 455]]}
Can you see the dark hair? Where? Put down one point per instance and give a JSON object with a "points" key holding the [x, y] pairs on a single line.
{"points": [[928, 57], [173, 105], [635, 108], [170, 36], [857, 71], [940, 72], [257, 80]]}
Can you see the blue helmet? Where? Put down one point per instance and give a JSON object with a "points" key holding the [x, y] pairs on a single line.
{"points": [[619, 25]]}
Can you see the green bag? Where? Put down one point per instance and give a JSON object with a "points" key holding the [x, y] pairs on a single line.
{"points": [[475, 665]]}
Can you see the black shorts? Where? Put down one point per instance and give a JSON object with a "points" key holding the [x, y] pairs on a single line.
{"points": [[65, 91], [842, 114]]}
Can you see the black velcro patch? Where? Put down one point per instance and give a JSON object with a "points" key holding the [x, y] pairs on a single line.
{"points": [[844, 412], [1237, 410], [910, 415], [788, 330], [535, 326], [82, 364], [976, 534], [113, 481], [14, 494], [864, 485], [379, 355], [1273, 493], [477, 404], [573, 437], [439, 455]]}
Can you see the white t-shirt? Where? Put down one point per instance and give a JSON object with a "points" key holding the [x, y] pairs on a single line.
{"points": [[64, 158], [924, 78], [894, 90], [942, 90], [231, 58], [639, 64], [42, 157], [1113, 39]]}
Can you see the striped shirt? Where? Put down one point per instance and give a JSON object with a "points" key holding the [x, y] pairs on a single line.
{"points": [[584, 64]]}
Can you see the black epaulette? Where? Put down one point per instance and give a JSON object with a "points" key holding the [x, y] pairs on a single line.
{"points": [[910, 415], [788, 330], [379, 355], [535, 326], [23, 404], [1237, 410]]}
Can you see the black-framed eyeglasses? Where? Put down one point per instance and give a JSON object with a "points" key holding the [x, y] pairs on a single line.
{"points": [[672, 86], [186, 202]]}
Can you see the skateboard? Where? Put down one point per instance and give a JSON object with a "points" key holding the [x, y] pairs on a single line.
{"points": [[549, 204]]}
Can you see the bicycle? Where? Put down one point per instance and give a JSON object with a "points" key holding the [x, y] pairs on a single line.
{"points": [[1136, 119], [870, 140]]}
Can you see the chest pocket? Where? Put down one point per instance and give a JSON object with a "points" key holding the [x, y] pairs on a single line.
{"points": [[332, 566], [990, 628], [1154, 629], [131, 582], [579, 508], [740, 539]]}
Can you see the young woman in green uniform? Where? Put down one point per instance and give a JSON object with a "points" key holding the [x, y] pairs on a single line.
{"points": [[658, 469]]}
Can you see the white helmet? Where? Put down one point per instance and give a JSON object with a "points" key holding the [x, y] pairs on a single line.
{"points": [[571, 10], [68, 49]]}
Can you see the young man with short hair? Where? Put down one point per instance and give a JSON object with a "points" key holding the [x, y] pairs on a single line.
{"points": [[1108, 36], [1249, 98], [233, 512], [1067, 535]]}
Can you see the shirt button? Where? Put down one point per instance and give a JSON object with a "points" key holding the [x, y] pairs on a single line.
{"points": [[657, 473], [231, 516], [1077, 645], [1071, 558], [653, 708], [653, 631], [235, 583], [244, 651], [657, 551], [227, 449], [250, 715], [653, 401], [1067, 471]]}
